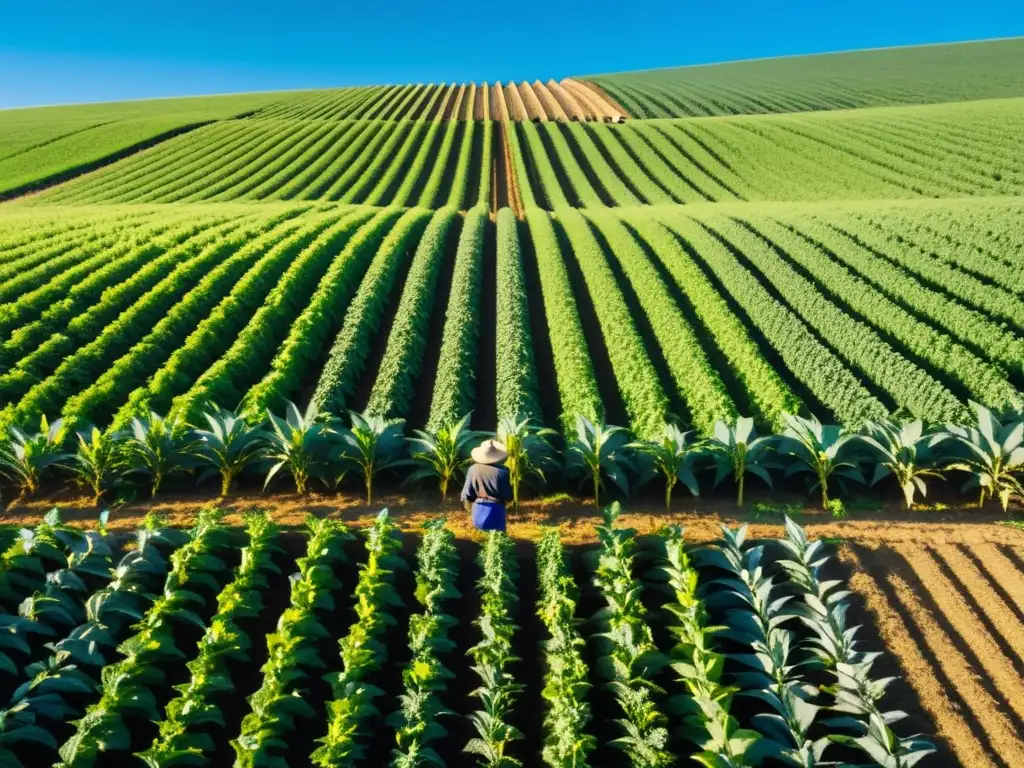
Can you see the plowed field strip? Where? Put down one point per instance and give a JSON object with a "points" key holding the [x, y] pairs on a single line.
{"points": [[1002, 571], [956, 640], [982, 597], [919, 661], [1003, 682]]}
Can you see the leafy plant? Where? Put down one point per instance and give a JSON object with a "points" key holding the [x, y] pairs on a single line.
{"points": [[228, 447], [705, 709], [373, 445], [905, 450], [738, 451], [820, 450], [442, 454], [528, 452], [629, 658], [158, 447], [99, 462], [183, 738], [425, 676], [362, 649], [834, 644], [299, 444], [291, 649], [566, 676], [26, 457], [492, 656], [674, 456], [994, 455], [598, 452]]}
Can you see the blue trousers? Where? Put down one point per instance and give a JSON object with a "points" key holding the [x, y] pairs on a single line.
{"points": [[488, 515]]}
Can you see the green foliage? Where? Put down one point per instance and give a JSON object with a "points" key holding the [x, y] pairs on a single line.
{"points": [[442, 454], [362, 649], [738, 451], [278, 706], [158, 448], [27, 457], [600, 452], [566, 676], [498, 691], [99, 461], [372, 445], [425, 677], [993, 454], [628, 657], [906, 451], [228, 447], [529, 452], [299, 445], [827, 453], [674, 457]]}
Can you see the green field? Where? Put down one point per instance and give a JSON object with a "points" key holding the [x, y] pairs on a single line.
{"points": [[656, 267]]}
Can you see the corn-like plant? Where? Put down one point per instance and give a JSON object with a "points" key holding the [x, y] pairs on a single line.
{"points": [[372, 445], [158, 448], [228, 447], [825, 452], [181, 740], [630, 660], [674, 456], [529, 452], [362, 650], [738, 451], [27, 457], [598, 452], [492, 656], [566, 742], [99, 461], [906, 451], [291, 650], [705, 707], [442, 454], [298, 445], [993, 454], [425, 676], [857, 693], [127, 684], [755, 612]]}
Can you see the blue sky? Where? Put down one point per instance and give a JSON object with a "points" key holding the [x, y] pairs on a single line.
{"points": [[56, 51]]}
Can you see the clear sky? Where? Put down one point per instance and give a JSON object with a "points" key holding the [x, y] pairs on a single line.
{"points": [[58, 51]]}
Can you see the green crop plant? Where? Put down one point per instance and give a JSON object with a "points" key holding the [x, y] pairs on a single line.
{"points": [[417, 722], [99, 461], [298, 445], [442, 454], [493, 655], [629, 659], [27, 457], [738, 451], [228, 447], [600, 452], [566, 678], [906, 451], [827, 453], [993, 454], [674, 456], [158, 448], [529, 452], [372, 445], [279, 705], [363, 651]]}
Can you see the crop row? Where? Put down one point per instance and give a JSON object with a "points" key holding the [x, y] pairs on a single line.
{"points": [[408, 162]]}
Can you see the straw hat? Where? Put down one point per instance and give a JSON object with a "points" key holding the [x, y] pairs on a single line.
{"points": [[489, 452]]}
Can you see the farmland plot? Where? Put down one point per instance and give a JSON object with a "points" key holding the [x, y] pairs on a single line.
{"points": [[428, 648]]}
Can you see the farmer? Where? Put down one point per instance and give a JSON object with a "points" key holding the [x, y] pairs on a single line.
{"points": [[487, 486]]}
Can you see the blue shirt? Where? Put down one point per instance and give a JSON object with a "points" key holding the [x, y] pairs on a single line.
{"points": [[487, 481]]}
